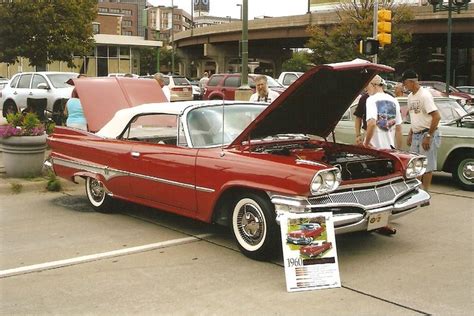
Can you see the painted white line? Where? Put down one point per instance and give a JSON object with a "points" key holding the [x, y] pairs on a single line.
{"points": [[98, 256]]}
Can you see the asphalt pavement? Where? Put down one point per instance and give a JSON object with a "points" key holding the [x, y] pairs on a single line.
{"points": [[58, 257]]}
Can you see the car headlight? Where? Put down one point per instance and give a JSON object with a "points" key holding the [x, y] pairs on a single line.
{"points": [[325, 181], [416, 167], [316, 183]]}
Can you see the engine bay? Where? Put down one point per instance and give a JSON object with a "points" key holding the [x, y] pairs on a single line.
{"points": [[353, 165]]}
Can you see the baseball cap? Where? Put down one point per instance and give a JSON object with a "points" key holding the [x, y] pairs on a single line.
{"points": [[378, 81], [409, 75]]}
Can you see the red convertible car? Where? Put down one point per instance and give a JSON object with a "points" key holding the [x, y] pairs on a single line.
{"points": [[235, 163], [314, 250], [306, 234]]}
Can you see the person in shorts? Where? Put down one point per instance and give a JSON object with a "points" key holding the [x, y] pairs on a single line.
{"points": [[423, 137]]}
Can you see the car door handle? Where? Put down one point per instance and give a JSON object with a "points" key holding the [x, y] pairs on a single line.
{"points": [[31, 93], [135, 154], [15, 93]]}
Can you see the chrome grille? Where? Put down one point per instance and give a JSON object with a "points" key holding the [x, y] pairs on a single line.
{"points": [[386, 193], [365, 197], [343, 198]]}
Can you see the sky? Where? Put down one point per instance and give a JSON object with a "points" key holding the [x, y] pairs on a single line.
{"points": [[257, 8]]}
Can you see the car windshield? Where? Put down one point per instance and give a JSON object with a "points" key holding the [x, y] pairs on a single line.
{"points": [[217, 125], [60, 80], [272, 83], [181, 81], [449, 110]]}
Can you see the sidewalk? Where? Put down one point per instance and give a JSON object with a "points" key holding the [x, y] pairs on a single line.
{"points": [[19, 185]]}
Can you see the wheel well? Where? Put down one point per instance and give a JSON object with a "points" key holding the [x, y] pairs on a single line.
{"points": [[223, 207], [216, 97], [453, 157], [8, 101]]}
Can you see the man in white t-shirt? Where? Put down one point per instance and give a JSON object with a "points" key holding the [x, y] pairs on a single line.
{"points": [[423, 137], [263, 94], [384, 121], [203, 82], [383, 117]]}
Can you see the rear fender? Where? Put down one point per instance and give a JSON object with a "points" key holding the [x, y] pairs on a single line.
{"points": [[88, 174]]}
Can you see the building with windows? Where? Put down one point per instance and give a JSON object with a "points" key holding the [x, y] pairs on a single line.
{"points": [[118, 33], [131, 12], [161, 20]]}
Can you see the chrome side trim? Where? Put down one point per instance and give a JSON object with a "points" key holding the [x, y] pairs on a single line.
{"points": [[110, 173]]}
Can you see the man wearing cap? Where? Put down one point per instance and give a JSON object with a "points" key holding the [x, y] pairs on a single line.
{"points": [[384, 121], [383, 117], [423, 137]]}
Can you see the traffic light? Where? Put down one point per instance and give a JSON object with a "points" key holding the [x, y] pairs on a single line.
{"points": [[384, 27], [369, 46]]}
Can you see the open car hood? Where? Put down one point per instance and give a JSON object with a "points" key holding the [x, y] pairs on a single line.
{"points": [[102, 97], [315, 102]]}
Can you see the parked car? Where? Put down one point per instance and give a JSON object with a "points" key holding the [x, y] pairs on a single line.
{"points": [[306, 234], [237, 163], [48, 85], [466, 89], [197, 95], [180, 88], [286, 78], [315, 249], [441, 86], [122, 74], [3, 82], [456, 152], [223, 86]]}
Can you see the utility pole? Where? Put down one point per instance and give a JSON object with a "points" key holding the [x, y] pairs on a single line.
{"points": [[244, 92], [375, 29], [245, 43]]}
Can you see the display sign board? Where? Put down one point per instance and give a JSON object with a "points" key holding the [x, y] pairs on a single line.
{"points": [[309, 251], [201, 5]]}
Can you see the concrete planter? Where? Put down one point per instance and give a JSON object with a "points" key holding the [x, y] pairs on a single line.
{"points": [[23, 156]]}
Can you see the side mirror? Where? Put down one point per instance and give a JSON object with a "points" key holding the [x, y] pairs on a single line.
{"points": [[43, 86]]}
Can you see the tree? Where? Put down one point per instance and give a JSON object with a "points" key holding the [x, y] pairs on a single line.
{"points": [[340, 42], [46, 30], [165, 58], [147, 60], [299, 61]]}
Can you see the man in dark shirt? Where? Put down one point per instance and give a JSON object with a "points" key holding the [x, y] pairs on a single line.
{"points": [[360, 121]]}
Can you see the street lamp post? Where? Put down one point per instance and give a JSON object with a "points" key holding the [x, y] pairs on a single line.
{"points": [[172, 37], [453, 5], [240, 5]]}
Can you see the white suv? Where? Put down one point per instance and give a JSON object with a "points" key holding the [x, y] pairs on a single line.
{"points": [[48, 85]]}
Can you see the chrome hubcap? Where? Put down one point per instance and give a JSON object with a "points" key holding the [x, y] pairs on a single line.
{"points": [[250, 223], [468, 171], [96, 189]]}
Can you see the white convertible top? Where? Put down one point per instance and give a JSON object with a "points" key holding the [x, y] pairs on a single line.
{"points": [[122, 117]]}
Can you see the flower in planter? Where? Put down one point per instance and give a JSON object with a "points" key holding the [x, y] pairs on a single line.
{"points": [[22, 125]]}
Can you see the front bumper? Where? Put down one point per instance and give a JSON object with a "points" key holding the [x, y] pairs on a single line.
{"points": [[352, 208], [298, 241]]}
